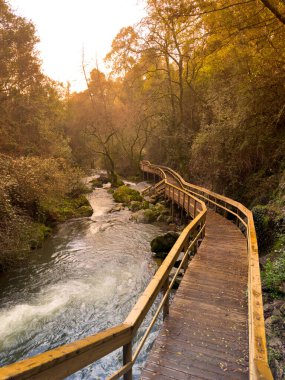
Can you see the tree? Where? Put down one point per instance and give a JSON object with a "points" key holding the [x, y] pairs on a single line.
{"points": [[31, 105]]}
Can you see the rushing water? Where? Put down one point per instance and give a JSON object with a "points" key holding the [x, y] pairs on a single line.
{"points": [[85, 278]]}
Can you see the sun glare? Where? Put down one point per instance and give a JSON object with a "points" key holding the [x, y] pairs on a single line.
{"points": [[66, 27]]}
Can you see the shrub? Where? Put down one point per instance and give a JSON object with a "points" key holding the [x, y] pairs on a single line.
{"points": [[264, 220], [273, 275], [35, 190]]}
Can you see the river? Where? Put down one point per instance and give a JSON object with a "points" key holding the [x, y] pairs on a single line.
{"points": [[84, 279]]}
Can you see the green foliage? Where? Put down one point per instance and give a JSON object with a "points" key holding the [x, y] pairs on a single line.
{"points": [[125, 195], [38, 233], [273, 276], [35, 191], [151, 214], [96, 183], [137, 205], [264, 220], [32, 111]]}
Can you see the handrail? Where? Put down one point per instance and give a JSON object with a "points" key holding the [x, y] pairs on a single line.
{"points": [[67, 359], [258, 361]]}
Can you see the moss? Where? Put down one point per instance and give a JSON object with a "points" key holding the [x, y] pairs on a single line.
{"points": [[164, 243], [150, 215], [118, 183], [153, 213], [265, 223], [136, 205], [125, 195], [273, 355], [38, 232], [84, 211], [279, 243], [273, 275], [60, 210], [96, 183]]}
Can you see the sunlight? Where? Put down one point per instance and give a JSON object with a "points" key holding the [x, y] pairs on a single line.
{"points": [[66, 27]]}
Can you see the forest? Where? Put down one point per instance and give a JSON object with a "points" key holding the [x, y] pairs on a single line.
{"points": [[195, 85]]}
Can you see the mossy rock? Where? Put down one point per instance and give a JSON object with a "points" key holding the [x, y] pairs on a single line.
{"points": [[126, 195], [155, 212], [84, 211], [136, 205], [150, 215], [96, 183], [103, 179], [64, 209], [161, 209], [118, 183], [38, 233], [161, 255], [164, 243]]}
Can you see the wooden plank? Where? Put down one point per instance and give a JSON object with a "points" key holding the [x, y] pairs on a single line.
{"points": [[258, 354], [208, 316]]}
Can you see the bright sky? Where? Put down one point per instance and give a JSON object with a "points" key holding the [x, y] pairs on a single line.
{"points": [[66, 26]]}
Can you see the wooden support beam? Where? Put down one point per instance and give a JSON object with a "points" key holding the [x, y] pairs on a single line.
{"points": [[127, 358], [166, 304]]}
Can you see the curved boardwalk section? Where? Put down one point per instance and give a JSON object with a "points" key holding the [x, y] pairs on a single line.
{"points": [[205, 335]]}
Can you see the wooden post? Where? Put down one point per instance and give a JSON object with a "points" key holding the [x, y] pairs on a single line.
{"points": [[127, 358], [225, 211], [195, 208], [195, 246], [185, 265], [188, 205], [183, 200], [204, 230], [181, 215], [238, 218], [166, 304]]}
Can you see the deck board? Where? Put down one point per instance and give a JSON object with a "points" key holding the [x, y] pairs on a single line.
{"points": [[205, 335]]}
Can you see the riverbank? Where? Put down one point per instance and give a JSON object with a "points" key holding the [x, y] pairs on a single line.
{"points": [[85, 278], [35, 195]]}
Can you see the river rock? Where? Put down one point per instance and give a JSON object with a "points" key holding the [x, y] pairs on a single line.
{"points": [[139, 217], [164, 243], [162, 218], [117, 208], [172, 226], [103, 179]]}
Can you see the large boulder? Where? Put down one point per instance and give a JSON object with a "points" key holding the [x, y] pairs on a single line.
{"points": [[164, 243], [126, 195]]}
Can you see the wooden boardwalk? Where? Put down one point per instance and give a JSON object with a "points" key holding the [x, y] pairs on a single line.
{"points": [[205, 335]]}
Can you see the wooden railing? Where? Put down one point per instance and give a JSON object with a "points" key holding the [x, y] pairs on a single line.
{"points": [[258, 362], [65, 360]]}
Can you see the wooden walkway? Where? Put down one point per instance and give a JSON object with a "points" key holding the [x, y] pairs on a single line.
{"points": [[205, 335]]}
